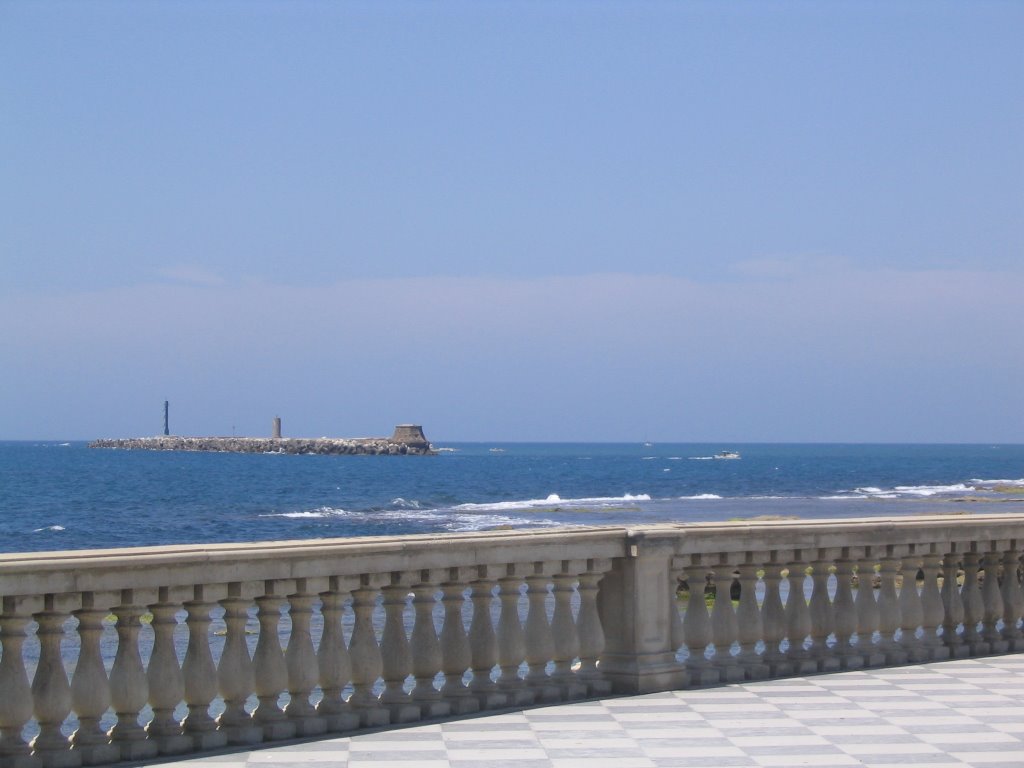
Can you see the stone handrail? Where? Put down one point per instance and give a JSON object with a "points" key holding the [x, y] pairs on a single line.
{"points": [[181, 649]]}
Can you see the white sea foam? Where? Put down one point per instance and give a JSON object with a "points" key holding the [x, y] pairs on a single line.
{"points": [[463, 523], [988, 484], [405, 503], [311, 513], [931, 490], [916, 491], [553, 500], [701, 458], [447, 519], [49, 528], [702, 496]]}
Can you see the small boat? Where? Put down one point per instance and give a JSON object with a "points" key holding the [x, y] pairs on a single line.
{"points": [[497, 450], [727, 455]]}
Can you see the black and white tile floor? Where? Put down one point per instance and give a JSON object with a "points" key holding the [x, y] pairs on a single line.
{"points": [[946, 714]]}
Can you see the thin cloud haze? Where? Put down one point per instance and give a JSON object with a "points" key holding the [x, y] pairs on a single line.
{"points": [[834, 356]]}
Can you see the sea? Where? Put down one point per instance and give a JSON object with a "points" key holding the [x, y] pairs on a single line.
{"points": [[63, 495]]}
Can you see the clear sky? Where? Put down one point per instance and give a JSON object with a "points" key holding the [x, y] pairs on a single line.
{"points": [[789, 221]]}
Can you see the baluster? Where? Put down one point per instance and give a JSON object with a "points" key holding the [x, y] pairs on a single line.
{"points": [[511, 641], [845, 615], [16, 701], [822, 615], [993, 603], [269, 668], [395, 653], [333, 663], [300, 659], [427, 658], [540, 646], [166, 684], [566, 638], [697, 628], [365, 656], [1013, 599], [724, 629], [456, 656], [911, 611], [798, 618], [483, 643], [867, 612], [51, 691], [589, 629], [235, 679], [931, 607], [974, 606], [90, 689], [889, 610], [773, 621], [129, 689], [750, 627], [953, 608], [200, 676], [675, 574]]}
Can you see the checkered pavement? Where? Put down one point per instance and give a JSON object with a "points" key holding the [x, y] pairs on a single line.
{"points": [[941, 715]]}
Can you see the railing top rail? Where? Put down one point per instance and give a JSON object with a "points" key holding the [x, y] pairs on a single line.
{"points": [[176, 565], [183, 565], [766, 535]]}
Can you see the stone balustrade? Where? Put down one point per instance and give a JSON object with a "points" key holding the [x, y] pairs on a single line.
{"points": [[129, 654]]}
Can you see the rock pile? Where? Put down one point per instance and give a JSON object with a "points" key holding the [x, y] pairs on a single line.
{"points": [[370, 446]]}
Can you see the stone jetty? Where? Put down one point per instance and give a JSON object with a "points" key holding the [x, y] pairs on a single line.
{"points": [[407, 440]]}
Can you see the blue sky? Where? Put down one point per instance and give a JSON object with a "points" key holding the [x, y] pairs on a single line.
{"points": [[521, 221]]}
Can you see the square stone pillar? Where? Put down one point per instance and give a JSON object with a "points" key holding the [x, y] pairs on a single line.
{"points": [[634, 600]]}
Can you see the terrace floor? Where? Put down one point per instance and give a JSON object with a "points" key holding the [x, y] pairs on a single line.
{"points": [[951, 713]]}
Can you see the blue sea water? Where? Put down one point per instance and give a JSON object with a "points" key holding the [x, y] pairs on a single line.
{"points": [[56, 496]]}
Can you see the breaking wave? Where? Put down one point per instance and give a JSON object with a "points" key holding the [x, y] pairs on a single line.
{"points": [[937, 492], [445, 519], [554, 500], [311, 513], [989, 485], [401, 503]]}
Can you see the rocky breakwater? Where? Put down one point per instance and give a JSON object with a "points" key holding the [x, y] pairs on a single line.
{"points": [[408, 440]]}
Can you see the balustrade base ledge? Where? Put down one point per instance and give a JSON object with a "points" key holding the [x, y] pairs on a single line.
{"points": [[642, 673], [21, 761], [208, 740]]}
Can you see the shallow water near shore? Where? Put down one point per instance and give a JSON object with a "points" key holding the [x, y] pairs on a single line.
{"points": [[58, 496]]}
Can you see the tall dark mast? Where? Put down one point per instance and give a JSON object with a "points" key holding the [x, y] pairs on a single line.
{"points": [[167, 429]]}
